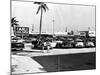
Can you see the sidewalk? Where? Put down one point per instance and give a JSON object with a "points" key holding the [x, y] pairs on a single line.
{"points": [[27, 51], [25, 65], [34, 52]]}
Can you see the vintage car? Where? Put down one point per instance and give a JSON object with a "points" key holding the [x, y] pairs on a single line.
{"points": [[79, 43], [58, 43], [17, 44], [67, 43], [41, 44], [89, 44], [29, 40], [93, 40]]}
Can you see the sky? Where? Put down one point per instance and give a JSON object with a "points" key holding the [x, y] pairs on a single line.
{"points": [[72, 17]]}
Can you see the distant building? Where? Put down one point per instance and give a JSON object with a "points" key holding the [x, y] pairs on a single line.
{"points": [[87, 33]]}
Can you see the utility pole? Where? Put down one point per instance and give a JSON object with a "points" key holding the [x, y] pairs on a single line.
{"points": [[66, 29], [88, 28]]}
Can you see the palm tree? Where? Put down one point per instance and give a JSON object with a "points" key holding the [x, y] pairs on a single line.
{"points": [[42, 7], [14, 23]]}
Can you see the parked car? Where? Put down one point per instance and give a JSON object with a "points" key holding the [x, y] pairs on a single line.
{"points": [[89, 44], [49, 44], [93, 40], [29, 40], [68, 43], [41, 44], [79, 43], [58, 43], [17, 44]]}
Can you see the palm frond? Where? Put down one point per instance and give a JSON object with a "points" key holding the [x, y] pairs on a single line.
{"points": [[16, 21], [43, 8], [37, 2], [16, 24], [12, 20], [46, 7], [38, 9]]}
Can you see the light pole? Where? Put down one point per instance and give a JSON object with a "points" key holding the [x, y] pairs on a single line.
{"points": [[53, 25], [66, 29], [88, 28], [32, 28]]}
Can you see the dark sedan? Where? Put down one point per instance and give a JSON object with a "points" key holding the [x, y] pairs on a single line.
{"points": [[17, 44], [67, 43]]}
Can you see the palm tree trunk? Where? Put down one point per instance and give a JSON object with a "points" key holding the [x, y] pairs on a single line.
{"points": [[41, 21]]}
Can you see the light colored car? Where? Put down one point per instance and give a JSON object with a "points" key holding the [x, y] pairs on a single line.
{"points": [[20, 40], [79, 43], [59, 41], [49, 44], [17, 39], [45, 45], [90, 44]]}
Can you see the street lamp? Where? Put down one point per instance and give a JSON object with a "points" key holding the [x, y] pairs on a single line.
{"points": [[88, 28], [53, 25], [32, 28]]}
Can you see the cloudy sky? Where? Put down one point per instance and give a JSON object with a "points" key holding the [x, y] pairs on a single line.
{"points": [[74, 17]]}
